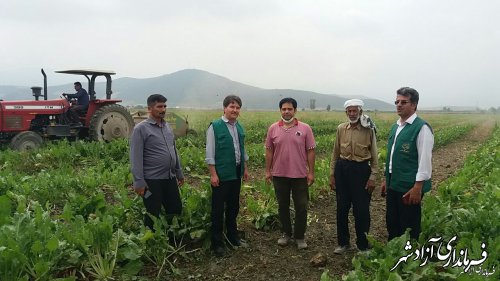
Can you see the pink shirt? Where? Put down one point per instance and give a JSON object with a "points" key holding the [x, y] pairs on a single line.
{"points": [[290, 149]]}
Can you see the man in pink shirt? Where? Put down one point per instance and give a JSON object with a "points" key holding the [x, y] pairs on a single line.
{"points": [[290, 165]]}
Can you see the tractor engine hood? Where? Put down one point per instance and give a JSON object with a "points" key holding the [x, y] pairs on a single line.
{"points": [[16, 116], [35, 107]]}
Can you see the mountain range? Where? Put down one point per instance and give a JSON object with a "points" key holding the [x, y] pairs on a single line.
{"points": [[193, 88]]}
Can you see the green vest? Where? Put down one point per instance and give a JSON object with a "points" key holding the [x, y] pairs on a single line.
{"points": [[225, 161], [405, 160]]}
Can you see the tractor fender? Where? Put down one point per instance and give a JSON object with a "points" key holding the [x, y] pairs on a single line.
{"points": [[95, 105]]}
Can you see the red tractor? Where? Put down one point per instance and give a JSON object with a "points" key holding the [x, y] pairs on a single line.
{"points": [[27, 123]]}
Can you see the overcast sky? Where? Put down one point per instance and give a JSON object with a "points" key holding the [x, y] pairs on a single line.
{"points": [[448, 50]]}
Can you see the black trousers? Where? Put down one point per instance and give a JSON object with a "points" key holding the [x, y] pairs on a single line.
{"points": [[399, 216], [165, 192], [76, 111], [350, 180], [225, 201]]}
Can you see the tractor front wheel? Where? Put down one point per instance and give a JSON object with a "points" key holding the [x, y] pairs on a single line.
{"points": [[111, 122], [26, 140]]}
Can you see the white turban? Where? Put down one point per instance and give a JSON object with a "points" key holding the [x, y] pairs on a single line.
{"points": [[354, 102]]}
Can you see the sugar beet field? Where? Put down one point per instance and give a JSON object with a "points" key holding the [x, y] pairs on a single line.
{"points": [[67, 212]]}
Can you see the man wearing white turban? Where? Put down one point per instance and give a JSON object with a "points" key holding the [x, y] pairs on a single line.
{"points": [[354, 167]]}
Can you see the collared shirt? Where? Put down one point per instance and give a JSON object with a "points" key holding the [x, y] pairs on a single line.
{"points": [[210, 147], [290, 146], [355, 143], [153, 154], [425, 143]]}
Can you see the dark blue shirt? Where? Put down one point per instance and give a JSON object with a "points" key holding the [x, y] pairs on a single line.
{"points": [[81, 96]]}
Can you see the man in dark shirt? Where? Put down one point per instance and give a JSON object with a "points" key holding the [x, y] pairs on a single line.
{"points": [[155, 163], [82, 105]]}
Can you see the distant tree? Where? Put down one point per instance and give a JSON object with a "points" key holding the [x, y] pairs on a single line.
{"points": [[492, 110], [312, 104], [328, 108]]}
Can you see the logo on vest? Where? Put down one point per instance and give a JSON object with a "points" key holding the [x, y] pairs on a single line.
{"points": [[405, 148]]}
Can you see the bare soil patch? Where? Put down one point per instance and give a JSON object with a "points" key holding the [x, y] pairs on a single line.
{"points": [[265, 260], [447, 160]]}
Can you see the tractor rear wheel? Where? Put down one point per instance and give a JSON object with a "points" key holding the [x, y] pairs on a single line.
{"points": [[26, 140], [111, 122]]}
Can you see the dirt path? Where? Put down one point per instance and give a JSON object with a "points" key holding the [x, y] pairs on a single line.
{"points": [[447, 160], [265, 260]]}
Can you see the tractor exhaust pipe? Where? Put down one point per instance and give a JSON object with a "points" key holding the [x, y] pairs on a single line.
{"points": [[44, 85]]}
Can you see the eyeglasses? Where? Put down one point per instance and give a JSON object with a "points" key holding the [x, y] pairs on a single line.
{"points": [[402, 102]]}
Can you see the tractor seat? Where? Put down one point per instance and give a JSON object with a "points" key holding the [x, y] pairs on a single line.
{"points": [[82, 112]]}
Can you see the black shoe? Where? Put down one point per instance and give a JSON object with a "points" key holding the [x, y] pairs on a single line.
{"points": [[237, 242], [364, 249], [219, 251], [234, 242]]}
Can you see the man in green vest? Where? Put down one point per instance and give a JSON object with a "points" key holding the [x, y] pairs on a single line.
{"points": [[226, 156], [408, 166]]}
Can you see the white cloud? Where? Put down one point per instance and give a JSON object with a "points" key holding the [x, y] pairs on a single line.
{"points": [[448, 50]]}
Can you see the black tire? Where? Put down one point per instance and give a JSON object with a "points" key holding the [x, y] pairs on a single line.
{"points": [[26, 140], [111, 122]]}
